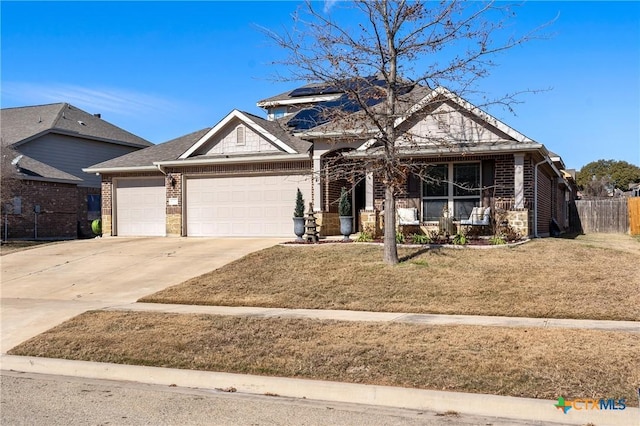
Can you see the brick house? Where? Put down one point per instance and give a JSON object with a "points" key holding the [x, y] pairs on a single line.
{"points": [[44, 149], [239, 178]]}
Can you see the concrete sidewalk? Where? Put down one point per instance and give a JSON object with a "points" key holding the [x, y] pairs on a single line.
{"points": [[432, 319]]}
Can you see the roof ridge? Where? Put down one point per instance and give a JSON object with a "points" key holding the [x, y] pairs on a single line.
{"points": [[60, 113], [34, 106]]}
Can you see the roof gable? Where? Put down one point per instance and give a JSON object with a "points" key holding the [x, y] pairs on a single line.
{"points": [[22, 124], [270, 131]]}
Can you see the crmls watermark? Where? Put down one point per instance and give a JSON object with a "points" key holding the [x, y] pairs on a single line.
{"points": [[580, 404]]}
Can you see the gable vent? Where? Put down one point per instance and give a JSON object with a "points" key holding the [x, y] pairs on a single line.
{"points": [[240, 140]]}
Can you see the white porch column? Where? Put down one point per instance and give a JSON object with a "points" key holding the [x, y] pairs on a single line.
{"points": [[518, 180], [316, 184], [368, 192]]}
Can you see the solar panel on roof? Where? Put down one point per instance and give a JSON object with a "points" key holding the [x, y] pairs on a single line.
{"points": [[313, 91]]}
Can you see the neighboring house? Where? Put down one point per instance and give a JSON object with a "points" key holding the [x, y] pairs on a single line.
{"points": [[52, 197], [239, 178]]}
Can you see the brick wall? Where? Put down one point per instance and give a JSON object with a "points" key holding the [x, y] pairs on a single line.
{"points": [[545, 203], [58, 217]]}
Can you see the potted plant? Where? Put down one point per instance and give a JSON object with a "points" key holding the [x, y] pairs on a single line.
{"points": [[345, 214], [298, 217]]}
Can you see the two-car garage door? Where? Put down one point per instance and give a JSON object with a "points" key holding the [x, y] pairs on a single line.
{"points": [[243, 206]]}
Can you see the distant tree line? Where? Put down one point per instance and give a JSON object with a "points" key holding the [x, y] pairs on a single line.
{"points": [[599, 178]]}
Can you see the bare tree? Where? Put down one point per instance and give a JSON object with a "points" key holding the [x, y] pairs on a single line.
{"points": [[452, 41], [9, 178]]}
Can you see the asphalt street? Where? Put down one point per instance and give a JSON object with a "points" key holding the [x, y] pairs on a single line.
{"points": [[34, 399]]}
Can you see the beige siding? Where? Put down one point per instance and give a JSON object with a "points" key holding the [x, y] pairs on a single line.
{"points": [[225, 142], [71, 154], [446, 125]]}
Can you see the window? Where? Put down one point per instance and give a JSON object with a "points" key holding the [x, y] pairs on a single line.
{"points": [[93, 207], [436, 191], [455, 186], [275, 113], [240, 135]]}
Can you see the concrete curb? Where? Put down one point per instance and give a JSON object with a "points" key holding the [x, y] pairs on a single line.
{"points": [[418, 399], [344, 315]]}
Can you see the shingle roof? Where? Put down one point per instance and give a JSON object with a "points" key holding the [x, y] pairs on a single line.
{"points": [[23, 123], [166, 151], [28, 168]]}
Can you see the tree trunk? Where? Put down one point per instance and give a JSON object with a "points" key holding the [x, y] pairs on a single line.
{"points": [[390, 245]]}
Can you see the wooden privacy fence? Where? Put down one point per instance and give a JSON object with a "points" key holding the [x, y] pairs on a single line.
{"points": [[603, 215], [634, 215]]}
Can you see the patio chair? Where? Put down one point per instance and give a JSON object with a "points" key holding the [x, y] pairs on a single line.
{"points": [[408, 216], [480, 216]]}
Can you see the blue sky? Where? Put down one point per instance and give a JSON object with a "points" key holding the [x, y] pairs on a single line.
{"points": [[165, 69]]}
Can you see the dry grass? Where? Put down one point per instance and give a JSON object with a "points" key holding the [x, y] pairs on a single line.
{"points": [[554, 278], [8, 247], [538, 363]]}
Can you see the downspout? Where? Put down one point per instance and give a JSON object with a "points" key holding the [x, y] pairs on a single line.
{"points": [[159, 166], [535, 198]]}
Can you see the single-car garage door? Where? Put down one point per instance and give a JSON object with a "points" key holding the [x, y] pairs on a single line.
{"points": [[243, 206], [140, 207]]}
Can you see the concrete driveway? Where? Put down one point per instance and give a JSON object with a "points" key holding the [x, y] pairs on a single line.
{"points": [[44, 286]]}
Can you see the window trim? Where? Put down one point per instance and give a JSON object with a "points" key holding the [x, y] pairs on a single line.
{"points": [[450, 197]]}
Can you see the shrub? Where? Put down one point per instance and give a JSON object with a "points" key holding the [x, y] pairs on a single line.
{"points": [[460, 239], [400, 239], [420, 239], [344, 205], [364, 237], [299, 210], [497, 240]]}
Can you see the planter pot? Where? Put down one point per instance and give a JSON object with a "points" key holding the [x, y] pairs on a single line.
{"points": [[346, 226], [298, 228]]}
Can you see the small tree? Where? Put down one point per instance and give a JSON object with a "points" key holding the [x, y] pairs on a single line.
{"points": [[299, 210], [344, 206], [9, 178]]}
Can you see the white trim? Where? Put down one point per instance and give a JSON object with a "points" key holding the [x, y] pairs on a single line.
{"points": [[300, 100], [233, 160], [244, 118], [125, 169]]}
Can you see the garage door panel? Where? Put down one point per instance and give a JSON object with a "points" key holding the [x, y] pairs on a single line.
{"points": [[140, 207], [243, 206]]}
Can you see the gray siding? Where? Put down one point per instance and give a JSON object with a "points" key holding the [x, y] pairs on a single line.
{"points": [[71, 154]]}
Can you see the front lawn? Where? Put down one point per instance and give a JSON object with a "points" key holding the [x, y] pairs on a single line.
{"points": [[535, 363], [552, 278]]}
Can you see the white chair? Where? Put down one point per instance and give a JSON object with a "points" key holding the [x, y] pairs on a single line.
{"points": [[480, 216], [408, 216]]}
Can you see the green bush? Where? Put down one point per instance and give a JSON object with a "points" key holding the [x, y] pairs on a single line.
{"points": [[420, 239], [460, 239], [344, 205], [364, 237], [497, 240], [299, 210], [400, 239]]}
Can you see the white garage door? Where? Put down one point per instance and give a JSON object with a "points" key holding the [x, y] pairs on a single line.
{"points": [[256, 206], [140, 207]]}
